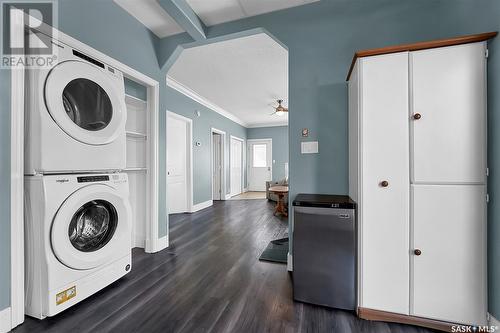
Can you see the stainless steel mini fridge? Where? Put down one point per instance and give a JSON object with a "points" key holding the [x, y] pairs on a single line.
{"points": [[324, 250]]}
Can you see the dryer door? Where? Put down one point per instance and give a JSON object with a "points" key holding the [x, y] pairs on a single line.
{"points": [[85, 103], [91, 228]]}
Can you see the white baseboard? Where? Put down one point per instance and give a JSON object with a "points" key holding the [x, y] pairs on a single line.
{"points": [[202, 205], [163, 243], [289, 262], [139, 243], [245, 189], [153, 246], [493, 322], [228, 196], [5, 320]]}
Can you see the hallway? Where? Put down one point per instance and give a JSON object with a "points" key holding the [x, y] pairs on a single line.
{"points": [[209, 280]]}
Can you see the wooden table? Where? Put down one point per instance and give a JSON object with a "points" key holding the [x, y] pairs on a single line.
{"points": [[280, 191]]}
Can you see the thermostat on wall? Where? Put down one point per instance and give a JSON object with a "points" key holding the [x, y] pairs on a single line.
{"points": [[309, 147]]}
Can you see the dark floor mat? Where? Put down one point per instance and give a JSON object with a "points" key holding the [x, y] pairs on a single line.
{"points": [[276, 251]]}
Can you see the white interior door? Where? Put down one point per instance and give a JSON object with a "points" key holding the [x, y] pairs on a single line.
{"points": [[177, 158], [259, 164], [449, 100], [449, 274], [385, 188], [236, 166], [217, 166]]}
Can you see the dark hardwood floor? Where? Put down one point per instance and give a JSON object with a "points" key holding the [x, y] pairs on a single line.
{"points": [[209, 280]]}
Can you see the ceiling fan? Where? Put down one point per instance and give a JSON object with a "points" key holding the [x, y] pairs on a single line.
{"points": [[279, 110]]}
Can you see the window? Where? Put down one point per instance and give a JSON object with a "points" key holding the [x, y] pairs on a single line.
{"points": [[260, 156]]}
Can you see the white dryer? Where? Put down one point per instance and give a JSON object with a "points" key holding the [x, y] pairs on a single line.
{"points": [[77, 238], [75, 115]]}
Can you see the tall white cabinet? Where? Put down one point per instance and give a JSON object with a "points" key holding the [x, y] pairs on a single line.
{"points": [[417, 161]]}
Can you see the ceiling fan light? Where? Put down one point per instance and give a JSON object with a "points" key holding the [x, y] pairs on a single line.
{"points": [[280, 113]]}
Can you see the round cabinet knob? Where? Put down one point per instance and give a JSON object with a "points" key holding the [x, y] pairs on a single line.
{"points": [[384, 183], [417, 116], [417, 252]]}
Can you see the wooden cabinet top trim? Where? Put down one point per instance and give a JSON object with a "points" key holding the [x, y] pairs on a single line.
{"points": [[421, 46]]}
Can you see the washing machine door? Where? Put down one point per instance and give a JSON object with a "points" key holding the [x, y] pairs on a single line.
{"points": [[85, 102], [92, 228]]}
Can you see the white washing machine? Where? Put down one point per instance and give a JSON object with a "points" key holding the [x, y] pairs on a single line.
{"points": [[75, 115], [77, 238]]}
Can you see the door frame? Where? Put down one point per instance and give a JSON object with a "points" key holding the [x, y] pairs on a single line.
{"points": [[249, 141], [223, 161], [189, 156], [16, 313], [243, 164]]}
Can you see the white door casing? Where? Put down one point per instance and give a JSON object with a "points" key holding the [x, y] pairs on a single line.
{"points": [[260, 156], [217, 166], [236, 166], [177, 165], [384, 268], [448, 93], [449, 228]]}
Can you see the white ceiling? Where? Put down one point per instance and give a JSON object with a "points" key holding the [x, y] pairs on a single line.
{"points": [[152, 15], [211, 12], [239, 78]]}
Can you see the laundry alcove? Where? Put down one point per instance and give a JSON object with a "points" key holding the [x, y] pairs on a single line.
{"points": [[136, 167]]}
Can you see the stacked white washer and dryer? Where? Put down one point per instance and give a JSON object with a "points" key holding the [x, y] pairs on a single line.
{"points": [[77, 211]]}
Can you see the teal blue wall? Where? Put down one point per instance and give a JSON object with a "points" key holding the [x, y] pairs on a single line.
{"points": [[4, 189], [494, 165], [135, 89], [322, 38], [128, 41], [108, 28], [202, 180], [279, 134]]}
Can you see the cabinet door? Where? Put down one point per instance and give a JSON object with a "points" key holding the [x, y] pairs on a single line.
{"points": [[384, 222], [449, 276], [449, 94]]}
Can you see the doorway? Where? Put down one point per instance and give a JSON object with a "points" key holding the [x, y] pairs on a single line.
{"points": [[236, 173], [260, 159], [179, 157], [218, 139]]}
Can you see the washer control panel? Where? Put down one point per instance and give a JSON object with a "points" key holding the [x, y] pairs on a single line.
{"points": [[92, 179]]}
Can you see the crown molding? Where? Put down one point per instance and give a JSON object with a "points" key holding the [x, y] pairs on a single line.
{"points": [[172, 83], [284, 123]]}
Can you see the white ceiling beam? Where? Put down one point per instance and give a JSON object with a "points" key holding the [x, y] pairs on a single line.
{"points": [[185, 16]]}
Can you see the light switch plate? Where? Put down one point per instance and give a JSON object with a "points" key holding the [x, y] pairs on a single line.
{"points": [[309, 147]]}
